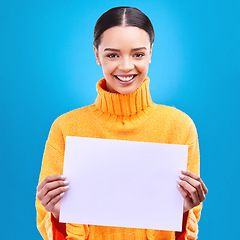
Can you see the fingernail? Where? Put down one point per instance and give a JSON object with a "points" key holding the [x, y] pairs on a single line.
{"points": [[63, 177], [178, 185], [181, 176], [179, 181], [61, 194], [65, 182], [67, 187], [183, 171]]}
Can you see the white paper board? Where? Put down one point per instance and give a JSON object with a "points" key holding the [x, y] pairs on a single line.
{"points": [[123, 183]]}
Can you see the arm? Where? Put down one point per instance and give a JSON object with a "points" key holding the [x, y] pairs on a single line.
{"points": [[192, 189], [49, 195]]}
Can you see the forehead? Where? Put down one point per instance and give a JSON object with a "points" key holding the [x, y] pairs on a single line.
{"points": [[125, 37]]}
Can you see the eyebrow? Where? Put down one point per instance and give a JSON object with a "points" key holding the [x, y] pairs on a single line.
{"points": [[117, 50]]}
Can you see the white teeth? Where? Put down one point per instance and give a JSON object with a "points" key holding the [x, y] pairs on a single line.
{"points": [[126, 78]]}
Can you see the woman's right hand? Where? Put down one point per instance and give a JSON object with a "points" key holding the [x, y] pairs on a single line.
{"points": [[50, 192]]}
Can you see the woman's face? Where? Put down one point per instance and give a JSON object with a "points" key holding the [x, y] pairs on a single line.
{"points": [[124, 53]]}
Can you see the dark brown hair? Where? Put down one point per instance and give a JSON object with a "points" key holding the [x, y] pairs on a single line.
{"points": [[122, 16]]}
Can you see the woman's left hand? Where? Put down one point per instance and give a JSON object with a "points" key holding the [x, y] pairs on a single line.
{"points": [[192, 189]]}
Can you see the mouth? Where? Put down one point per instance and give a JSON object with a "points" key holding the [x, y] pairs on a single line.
{"points": [[126, 78]]}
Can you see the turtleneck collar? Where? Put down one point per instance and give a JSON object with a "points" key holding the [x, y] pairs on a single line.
{"points": [[123, 104]]}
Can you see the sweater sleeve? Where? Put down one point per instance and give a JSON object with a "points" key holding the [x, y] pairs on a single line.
{"points": [[191, 218], [52, 164]]}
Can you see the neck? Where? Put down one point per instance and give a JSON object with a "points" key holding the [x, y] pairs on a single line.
{"points": [[123, 104]]}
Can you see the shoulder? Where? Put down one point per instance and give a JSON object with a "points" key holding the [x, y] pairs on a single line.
{"points": [[174, 115], [176, 123], [73, 117]]}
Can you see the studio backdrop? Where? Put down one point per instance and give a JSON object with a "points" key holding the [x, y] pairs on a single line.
{"points": [[48, 67]]}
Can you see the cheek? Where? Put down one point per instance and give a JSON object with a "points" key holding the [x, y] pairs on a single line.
{"points": [[143, 66], [108, 67]]}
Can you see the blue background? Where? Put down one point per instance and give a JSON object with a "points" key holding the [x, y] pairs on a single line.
{"points": [[47, 67]]}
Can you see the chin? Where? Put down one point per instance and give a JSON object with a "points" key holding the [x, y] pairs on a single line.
{"points": [[127, 90]]}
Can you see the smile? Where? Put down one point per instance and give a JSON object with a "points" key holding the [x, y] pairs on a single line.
{"points": [[126, 78]]}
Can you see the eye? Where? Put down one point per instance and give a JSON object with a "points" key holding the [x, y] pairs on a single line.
{"points": [[138, 55], [112, 55]]}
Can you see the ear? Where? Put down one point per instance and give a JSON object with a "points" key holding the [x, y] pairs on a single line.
{"points": [[150, 56], [97, 56]]}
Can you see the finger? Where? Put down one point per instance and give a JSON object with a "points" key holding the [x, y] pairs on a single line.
{"points": [[204, 187], [190, 174], [50, 186], [52, 194], [196, 184], [185, 195], [50, 206], [196, 177], [193, 191], [50, 178]]}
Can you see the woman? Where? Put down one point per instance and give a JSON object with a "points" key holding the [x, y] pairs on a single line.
{"points": [[123, 42]]}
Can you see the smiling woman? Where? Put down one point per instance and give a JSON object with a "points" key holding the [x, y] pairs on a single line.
{"points": [[123, 110], [123, 41]]}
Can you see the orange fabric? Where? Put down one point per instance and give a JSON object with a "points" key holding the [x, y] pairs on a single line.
{"points": [[131, 117]]}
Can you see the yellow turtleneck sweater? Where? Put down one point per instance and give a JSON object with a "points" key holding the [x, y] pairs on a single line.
{"points": [[131, 117]]}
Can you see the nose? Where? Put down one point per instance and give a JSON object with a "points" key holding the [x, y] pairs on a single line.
{"points": [[126, 64]]}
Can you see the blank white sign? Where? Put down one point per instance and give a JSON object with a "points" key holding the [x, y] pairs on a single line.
{"points": [[123, 183]]}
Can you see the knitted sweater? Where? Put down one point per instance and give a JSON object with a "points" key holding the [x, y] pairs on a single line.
{"points": [[131, 117]]}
